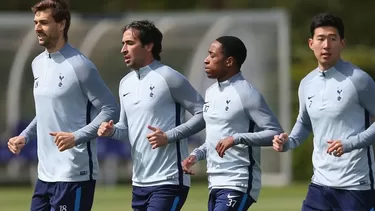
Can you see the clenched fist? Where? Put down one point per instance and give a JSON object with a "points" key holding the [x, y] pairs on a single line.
{"points": [[105, 128], [188, 163], [16, 144], [279, 141]]}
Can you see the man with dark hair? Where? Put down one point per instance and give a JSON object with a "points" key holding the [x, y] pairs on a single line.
{"points": [[238, 122], [68, 92], [153, 99], [336, 100]]}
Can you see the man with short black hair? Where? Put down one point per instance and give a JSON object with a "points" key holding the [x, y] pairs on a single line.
{"points": [[238, 122], [335, 100]]}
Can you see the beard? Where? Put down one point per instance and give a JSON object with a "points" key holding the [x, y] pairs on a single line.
{"points": [[46, 40]]}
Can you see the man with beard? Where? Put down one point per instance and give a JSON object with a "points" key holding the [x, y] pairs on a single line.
{"points": [[68, 93]]}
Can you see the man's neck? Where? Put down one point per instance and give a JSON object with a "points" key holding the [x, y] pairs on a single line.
{"points": [[228, 76], [148, 62], [59, 44], [324, 67]]}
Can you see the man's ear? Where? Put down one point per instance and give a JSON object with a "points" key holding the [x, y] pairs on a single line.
{"points": [[343, 43], [62, 25], [310, 42], [229, 62], [149, 47]]}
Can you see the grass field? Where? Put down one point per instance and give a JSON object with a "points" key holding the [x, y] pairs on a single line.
{"points": [[119, 198]]}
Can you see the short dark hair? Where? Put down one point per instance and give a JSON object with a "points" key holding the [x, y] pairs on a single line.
{"points": [[148, 33], [60, 12], [327, 19], [233, 46]]}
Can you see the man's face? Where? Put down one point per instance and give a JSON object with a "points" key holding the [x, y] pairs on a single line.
{"points": [[215, 67], [47, 29], [133, 50], [327, 45]]}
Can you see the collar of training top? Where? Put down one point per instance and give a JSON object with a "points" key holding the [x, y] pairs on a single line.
{"points": [[146, 69], [230, 80], [328, 72], [59, 52]]}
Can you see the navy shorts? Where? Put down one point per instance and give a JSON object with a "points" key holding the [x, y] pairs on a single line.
{"points": [[156, 198], [63, 196], [229, 200], [330, 199]]}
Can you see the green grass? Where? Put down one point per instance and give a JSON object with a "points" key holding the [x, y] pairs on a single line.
{"points": [[119, 198]]}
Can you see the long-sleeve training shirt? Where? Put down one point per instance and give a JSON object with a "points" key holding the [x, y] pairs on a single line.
{"points": [[336, 105], [235, 108], [70, 96], [157, 95]]}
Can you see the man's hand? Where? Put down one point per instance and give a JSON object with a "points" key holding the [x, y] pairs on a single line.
{"points": [[63, 140], [105, 129], [188, 163], [223, 145], [279, 141], [335, 147], [16, 144], [157, 138]]}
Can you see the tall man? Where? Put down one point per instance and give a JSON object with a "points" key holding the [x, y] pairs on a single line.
{"points": [[68, 93]]}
